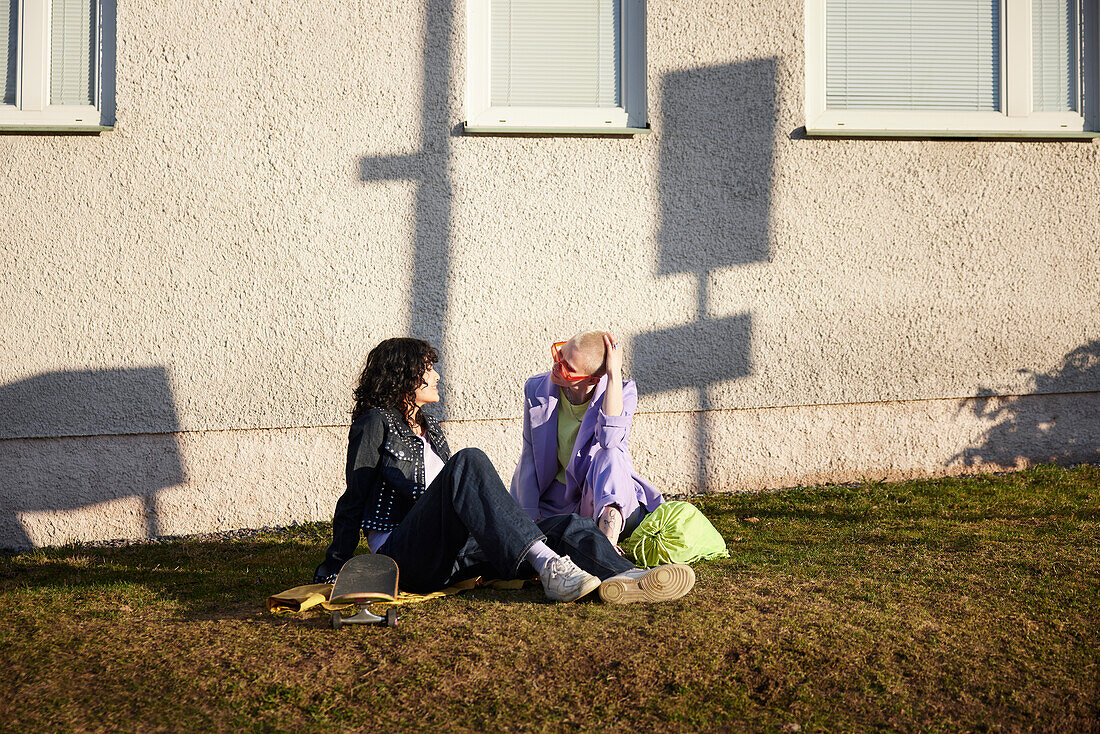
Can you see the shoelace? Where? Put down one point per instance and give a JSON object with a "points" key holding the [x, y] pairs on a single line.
{"points": [[557, 567]]}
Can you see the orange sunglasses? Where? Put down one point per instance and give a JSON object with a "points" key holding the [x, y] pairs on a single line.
{"points": [[563, 370]]}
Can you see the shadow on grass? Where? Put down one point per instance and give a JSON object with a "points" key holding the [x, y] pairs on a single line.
{"points": [[195, 579], [198, 579], [987, 624]]}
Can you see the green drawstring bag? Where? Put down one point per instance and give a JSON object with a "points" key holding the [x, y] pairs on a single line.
{"points": [[676, 532]]}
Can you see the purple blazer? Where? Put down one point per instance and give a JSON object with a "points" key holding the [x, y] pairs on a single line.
{"points": [[533, 481]]}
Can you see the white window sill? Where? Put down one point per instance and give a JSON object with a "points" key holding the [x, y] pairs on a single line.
{"points": [[469, 129], [947, 124], [55, 128], [960, 134]]}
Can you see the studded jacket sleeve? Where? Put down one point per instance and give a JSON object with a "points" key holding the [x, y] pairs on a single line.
{"points": [[364, 451]]}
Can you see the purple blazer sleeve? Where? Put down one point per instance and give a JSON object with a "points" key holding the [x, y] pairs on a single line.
{"points": [[613, 431], [525, 485]]}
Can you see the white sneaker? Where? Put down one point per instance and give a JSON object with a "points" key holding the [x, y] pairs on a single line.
{"points": [[663, 583], [563, 581]]}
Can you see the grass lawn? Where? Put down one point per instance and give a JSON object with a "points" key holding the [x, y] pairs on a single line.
{"points": [[956, 604]]}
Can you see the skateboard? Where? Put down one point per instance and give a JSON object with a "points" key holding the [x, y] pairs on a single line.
{"points": [[362, 580]]}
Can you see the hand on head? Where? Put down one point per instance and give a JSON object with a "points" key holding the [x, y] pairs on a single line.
{"points": [[613, 355]]}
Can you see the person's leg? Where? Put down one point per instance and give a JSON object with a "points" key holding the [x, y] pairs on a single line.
{"points": [[580, 539], [610, 482], [622, 582], [470, 562], [466, 500], [631, 524], [562, 580]]}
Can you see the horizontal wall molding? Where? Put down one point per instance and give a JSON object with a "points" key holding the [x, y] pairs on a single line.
{"points": [[93, 488], [493, 419]]}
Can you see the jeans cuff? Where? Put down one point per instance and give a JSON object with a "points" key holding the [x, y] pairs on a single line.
{"points": [[523, 555]]}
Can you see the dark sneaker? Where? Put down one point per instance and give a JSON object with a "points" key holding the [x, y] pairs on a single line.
{"points": [[563, 581], [663, 583]]}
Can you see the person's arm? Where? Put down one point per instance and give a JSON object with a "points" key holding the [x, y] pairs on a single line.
{"points": [[525, 485], [613, 366], [612, 433], [620, 398], [364, 445]]}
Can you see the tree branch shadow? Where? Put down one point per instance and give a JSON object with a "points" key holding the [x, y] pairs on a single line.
{"points": [[1052, 429]]}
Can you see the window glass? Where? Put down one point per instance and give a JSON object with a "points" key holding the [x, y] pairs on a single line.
{"points": [[564, 53], [1054, 83], [72, 52], [9, 16], [904, 55]]}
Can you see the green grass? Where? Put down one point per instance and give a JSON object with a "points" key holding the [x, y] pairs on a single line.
{"points": [[957, 604]]}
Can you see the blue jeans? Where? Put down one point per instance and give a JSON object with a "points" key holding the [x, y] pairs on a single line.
{"points": [[466, 524]]}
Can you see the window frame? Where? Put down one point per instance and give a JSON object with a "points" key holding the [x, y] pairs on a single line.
{"points": [[1016, 118], [629, 118], [32, 111]]}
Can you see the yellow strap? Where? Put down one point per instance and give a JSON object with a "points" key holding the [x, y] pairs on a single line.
{"points": [[303, 598]]}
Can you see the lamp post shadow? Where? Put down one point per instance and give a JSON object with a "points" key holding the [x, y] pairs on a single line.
{"points": [[717, 128], [429, 168], [716, 165]]}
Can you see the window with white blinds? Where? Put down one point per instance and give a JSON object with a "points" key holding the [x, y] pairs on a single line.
{"points": [[53, 68], [72, 52], [913, 54], [9, 16], [1053, 55], [953, 67], [564, 53], [570, 66]]}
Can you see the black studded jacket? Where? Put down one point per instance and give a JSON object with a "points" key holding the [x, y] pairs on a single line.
{"points": [[385, 477]]}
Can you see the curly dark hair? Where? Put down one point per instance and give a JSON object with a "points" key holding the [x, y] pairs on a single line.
{"points": [[394, 370]]}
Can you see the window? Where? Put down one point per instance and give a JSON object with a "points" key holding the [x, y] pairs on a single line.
{"points": [[556, 66], [52, 73], [952, 67]]}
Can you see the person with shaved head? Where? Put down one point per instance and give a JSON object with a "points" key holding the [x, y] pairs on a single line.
{"points": [[576, 426]]}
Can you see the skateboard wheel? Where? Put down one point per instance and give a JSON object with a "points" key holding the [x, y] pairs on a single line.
{"points": [[337, 620], [391, 617]]}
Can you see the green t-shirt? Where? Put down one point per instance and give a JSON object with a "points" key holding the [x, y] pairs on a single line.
{"points": [[569, 425]]}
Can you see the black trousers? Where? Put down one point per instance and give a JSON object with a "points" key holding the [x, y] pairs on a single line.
{"points": [[466, 524]]}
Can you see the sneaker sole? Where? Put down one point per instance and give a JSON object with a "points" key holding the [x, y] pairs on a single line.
{"points": [[663, 583], [586, 588]]}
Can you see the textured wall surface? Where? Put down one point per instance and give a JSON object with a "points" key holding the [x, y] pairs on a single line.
{"points": [[189, 297]]}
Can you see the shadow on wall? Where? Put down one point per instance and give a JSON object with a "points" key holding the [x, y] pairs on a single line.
{"points": [[73, 440], [1040, 430], [716, 167], [429, 167]]}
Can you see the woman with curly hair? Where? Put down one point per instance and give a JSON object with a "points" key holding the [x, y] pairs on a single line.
{"points": [[446, 518]]}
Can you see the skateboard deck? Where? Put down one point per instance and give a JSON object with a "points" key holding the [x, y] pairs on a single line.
{"points": [[369, 577], [362, 580]]}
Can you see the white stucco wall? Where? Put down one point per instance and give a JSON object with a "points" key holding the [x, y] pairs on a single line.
{"points": [[190, 296]]}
